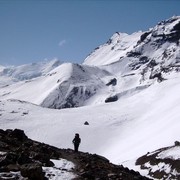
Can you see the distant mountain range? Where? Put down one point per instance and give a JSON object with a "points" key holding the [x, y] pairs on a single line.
{"points": [[26, 72]]}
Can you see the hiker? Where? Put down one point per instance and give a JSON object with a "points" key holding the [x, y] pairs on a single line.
{"points": [[76, 141]]}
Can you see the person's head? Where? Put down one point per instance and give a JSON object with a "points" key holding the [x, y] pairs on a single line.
{"points": [[77, 135]]}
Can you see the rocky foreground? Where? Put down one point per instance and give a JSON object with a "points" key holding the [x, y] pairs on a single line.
{"points": [[23, 158]]}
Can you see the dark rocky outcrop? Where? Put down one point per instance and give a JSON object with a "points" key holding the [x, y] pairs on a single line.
{"points": [[32, 171], [111, 99], [158, 76], [97, 167], [86, 123], [26, 158], [112, 82], [143, 36], [159, 165], [177, 143]]}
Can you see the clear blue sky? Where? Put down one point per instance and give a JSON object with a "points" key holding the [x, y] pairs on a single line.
{"points": [[34, 30]]}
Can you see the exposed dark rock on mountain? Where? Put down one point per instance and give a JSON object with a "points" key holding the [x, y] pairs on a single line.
{"points": [[111, 99], [177, 143], [161, 164], [26, 157], [112, 82]]}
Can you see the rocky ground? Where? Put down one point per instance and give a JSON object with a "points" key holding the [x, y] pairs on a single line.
{"points": [[23, 158], [163, 163]]}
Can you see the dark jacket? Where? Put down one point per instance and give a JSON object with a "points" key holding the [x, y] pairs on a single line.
{"points": [[77, 139]]}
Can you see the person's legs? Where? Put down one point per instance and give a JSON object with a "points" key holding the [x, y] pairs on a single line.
{"points": [[76, 147]]}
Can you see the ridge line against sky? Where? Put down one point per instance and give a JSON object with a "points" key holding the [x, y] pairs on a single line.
{"points": [[69, 30]]}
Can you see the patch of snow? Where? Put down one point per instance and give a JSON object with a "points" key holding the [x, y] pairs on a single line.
{"points": [[159, 167], [173, 153], [2, 153], [62, 170], [11, 175]]}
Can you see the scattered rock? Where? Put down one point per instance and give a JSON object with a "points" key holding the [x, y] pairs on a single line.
{"points": [[158, 76], [112, 82], [86, 123], [177, 143], [19, 134], [111, 99]]}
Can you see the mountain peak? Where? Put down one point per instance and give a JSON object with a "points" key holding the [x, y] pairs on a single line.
{"points": [[120, 45], [114, 49]]}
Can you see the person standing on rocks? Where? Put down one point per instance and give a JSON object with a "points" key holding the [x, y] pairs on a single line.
{"points": [[76, 141]]}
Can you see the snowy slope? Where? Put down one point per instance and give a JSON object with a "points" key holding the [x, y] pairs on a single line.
{"points": [[68, 85], [116, 48], [132, 121]]}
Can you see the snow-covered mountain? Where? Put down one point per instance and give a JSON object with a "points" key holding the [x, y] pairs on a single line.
{"points": [[68, 85], [127, 90], [159, 43], [151, 54], [125, 64], [11, 74]]}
